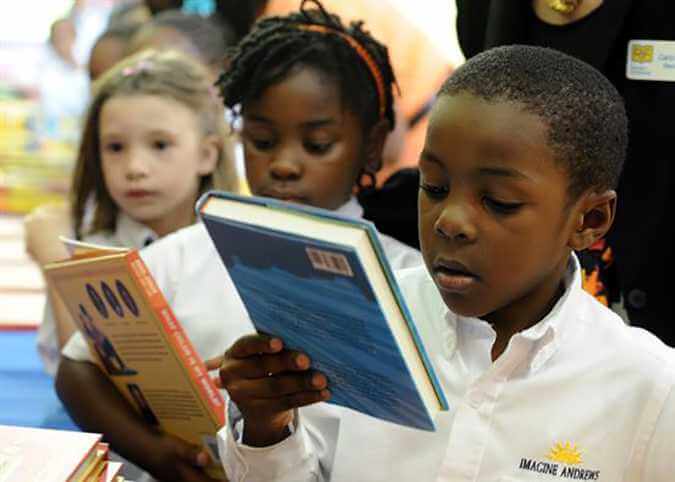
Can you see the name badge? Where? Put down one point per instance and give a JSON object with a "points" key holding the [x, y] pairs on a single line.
{"points": [[651, 60]]}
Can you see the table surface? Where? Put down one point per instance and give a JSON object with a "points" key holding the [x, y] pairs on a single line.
{"points": [[27, 396]]}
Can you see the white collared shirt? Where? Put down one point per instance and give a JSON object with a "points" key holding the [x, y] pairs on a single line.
{"points": [[579, 396], [128, 233], [194, 281]]}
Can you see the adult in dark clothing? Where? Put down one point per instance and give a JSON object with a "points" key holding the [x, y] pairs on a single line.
{"points": [[642, 238]]}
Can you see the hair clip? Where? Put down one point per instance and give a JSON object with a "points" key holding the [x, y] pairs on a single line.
{"points": [[141, 66], [204, 8]]}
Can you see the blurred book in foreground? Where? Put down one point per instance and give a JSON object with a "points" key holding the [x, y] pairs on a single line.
{"points": [[33, 454]]}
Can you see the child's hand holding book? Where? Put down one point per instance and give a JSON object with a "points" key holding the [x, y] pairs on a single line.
{"points": [[267, 382], [175, 459]]}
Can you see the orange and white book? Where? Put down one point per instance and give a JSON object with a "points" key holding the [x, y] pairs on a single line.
{"points": [[42, 455], [138, 343], [113, 472]]}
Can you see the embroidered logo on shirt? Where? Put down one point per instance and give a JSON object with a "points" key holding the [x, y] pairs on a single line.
{"points": [[567, 454], [565, 459], [642, 54]]}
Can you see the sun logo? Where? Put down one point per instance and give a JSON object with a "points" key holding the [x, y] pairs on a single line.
{"points": [[566, 454], [642, 54]]}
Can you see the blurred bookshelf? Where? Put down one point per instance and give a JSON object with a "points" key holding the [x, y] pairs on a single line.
{"points": [[37, 155]]}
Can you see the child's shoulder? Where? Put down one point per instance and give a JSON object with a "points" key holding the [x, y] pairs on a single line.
{"points": [[400, 255], [419, 290], [190, 237], [636, 350]]}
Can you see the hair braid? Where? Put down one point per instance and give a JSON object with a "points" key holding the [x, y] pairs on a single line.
{"points": [[276, 45]]}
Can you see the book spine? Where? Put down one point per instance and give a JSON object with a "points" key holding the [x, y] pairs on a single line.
{"points": [[182, 346], [85, 457], [412, 329]]}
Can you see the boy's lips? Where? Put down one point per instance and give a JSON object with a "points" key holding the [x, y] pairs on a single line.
{"points": [[453, 276]]}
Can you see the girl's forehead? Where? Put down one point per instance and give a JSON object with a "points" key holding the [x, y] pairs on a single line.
{"points": [[302, 93], [304, 81]]}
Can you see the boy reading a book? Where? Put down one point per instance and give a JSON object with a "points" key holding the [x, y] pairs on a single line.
{"points": [[524, 148]]}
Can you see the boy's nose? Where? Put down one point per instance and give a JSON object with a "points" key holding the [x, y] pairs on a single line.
{"points": [[454, 224]]}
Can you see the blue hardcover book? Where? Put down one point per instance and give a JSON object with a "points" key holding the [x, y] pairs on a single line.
{"points": [[321, 283]]}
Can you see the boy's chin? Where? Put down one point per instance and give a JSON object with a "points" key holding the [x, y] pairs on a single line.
{"points": [[465, 307]]}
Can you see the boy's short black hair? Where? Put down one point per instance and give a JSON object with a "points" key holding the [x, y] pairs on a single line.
{"points": [[277, 45], [584, 113]]}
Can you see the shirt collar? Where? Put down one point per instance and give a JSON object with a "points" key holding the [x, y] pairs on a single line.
{"points": [[133, 234], [543, 338], [351, 209]]}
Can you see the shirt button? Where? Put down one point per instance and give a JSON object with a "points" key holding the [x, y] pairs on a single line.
{"points": [[637, 299]]}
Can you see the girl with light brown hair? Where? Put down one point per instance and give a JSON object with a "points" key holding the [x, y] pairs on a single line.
{"points": [[153, 141]]}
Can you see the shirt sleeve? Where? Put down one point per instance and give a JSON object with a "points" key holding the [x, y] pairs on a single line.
{"points": [[660, 458], [77, 349], [305, 455]]}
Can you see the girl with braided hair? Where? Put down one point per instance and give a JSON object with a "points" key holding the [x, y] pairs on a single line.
{"points": [[316, 103]]}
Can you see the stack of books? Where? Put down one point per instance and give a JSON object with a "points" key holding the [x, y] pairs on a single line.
{"points": [[54, 456]]}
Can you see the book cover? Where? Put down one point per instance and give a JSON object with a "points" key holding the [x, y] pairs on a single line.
{"points": [[317, 296], [139, 344], [23, 451]]}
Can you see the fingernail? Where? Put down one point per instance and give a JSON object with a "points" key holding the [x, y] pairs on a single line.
{"points": [[202, 459], [302, 361], [275, 344], [318, 381]]}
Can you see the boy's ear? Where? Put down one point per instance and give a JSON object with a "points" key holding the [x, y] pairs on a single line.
{"points": [[594, 216], [375, 145], [212, 146]]}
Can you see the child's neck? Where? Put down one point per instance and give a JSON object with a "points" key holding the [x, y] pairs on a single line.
{"points": [[525, 313], [162, 228], [169, 224]]}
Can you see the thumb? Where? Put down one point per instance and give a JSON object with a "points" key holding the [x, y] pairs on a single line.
{"points": [[214, 363], [192, 454]]}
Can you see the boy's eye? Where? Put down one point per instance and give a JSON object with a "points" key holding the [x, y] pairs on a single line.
{"points": [[318, 147], [434, 192], [500, 207]]}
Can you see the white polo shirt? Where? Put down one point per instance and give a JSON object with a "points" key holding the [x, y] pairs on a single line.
{"points": [[193, 279], [579, 396], [128, 233]]}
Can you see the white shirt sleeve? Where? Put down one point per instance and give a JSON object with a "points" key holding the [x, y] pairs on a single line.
{"points": [[77, 349], [306, 455], [660, 457], [399, 255]]}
